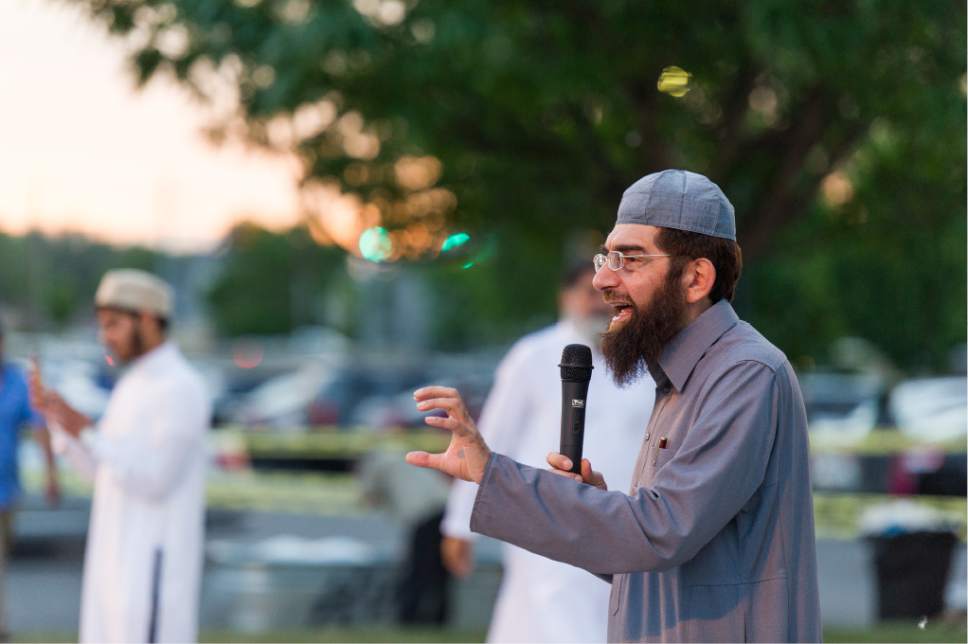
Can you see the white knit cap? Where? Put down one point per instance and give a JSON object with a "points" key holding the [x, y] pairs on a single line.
{"points": [[134, 290]]}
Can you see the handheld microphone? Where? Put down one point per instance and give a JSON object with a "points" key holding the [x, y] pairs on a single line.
{"points": [[576, 371]]}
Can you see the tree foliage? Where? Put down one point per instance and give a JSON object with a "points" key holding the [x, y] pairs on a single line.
{"points": [[540, 114], [50, 281], [270, 283]]}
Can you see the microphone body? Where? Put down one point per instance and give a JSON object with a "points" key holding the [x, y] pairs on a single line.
{"points": [[576, 372]]}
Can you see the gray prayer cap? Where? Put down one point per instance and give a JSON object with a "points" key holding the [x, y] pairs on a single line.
{"points": [[678, 199]]}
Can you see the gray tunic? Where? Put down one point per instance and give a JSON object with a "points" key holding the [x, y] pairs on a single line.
{"points": [[715, 541]]}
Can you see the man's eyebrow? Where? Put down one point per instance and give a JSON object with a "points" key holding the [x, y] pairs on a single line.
{"points": [[626, 248]]}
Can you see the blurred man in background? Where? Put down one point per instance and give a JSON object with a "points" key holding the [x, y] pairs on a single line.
{"points": [[146, 457], [416, 503], [15, 413], [542, 600]]}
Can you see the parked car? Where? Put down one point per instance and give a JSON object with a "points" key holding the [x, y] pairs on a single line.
{"points": [[282, 402], [399, 410], [843, 406], [931, 409], [336, 400]]}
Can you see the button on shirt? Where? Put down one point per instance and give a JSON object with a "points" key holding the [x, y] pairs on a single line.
{"points": [[715, 541], [15, 412]]}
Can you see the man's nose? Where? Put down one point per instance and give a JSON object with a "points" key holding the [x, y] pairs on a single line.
{"points": [[604, 279]]}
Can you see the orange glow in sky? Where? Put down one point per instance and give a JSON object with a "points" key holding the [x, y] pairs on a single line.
{"points": [[82, 150]]}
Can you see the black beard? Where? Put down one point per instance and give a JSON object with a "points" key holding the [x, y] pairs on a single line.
{"points": [[629, 350]]}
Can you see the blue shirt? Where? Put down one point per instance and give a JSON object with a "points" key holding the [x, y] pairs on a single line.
{"points": [[15, 412]]}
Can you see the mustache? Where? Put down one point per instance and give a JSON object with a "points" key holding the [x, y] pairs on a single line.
{"points": [[612, 299]]}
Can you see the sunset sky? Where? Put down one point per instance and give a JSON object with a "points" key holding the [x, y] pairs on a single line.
{"points": [[82, 150]]}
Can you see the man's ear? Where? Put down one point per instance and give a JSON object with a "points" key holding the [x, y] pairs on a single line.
{"points": [[148, 322], [699, 278]]}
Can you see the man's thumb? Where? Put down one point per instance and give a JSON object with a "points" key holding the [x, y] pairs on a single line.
{"points": [[423, 459]]}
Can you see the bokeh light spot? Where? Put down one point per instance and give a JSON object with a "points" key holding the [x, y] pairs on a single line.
{"points": [[375, 244], [455, 241], [837, 189], [247, 356], [674, 81]]}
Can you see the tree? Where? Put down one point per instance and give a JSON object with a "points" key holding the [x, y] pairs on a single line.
{"points": [[528, 119], [51, 280], [269, 283]]}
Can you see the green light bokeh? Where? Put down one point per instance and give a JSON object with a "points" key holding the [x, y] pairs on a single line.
{"points": [[454, 241], [375, 244]]}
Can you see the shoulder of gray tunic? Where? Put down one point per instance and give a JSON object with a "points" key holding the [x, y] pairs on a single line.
{"points": [[715, 540]]}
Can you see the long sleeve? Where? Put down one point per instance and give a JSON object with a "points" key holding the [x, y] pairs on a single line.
{"points": [[76, 452], [718, 467], [26, 414], [150, 460], [505, 412]]}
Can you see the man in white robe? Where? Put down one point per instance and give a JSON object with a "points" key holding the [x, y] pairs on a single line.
{"points": [[542, 600], [146, 457]]}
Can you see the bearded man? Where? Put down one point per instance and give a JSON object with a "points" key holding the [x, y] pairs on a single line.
{"points": [[146, 457], [714, 541]]}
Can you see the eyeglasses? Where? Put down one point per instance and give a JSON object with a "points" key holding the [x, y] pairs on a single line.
{"points": [[615, 259]]}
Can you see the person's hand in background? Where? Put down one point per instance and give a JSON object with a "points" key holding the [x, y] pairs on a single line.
{"points": [[458, 555]]}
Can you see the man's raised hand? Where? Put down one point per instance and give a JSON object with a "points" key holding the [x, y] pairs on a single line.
{"points": [[55, 410], [467, 455]]}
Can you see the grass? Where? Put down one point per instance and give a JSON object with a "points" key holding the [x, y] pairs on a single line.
{"points": [[900, 632], [885, 632]]}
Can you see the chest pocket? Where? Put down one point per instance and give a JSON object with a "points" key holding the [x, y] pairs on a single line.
{"points": [[654, 459], [659, 456]]}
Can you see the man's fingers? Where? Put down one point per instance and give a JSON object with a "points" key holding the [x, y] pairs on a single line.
{"points": [[568, 475], [444, 422], [435, 391], [424, 459], [417, 458], [450, 404], [559, 461], [591, 476]]}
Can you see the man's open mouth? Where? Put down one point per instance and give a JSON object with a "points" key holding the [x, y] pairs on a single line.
{"points": [[622, 311]]}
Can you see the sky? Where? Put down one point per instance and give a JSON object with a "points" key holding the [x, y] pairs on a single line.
{"points": [[82, 150]]}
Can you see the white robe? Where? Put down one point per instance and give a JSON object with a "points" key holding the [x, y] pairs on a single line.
{"points": [[147, 459], [542, 600]]}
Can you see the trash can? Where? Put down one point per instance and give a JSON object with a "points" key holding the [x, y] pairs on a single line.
{"points": [[912, 548], [912, 573]]}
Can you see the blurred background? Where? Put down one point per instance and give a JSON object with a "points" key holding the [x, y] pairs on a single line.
{"points": [[353, 199]]}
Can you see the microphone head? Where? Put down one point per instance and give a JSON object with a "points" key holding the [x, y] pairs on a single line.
{"points": [[576, 363]]}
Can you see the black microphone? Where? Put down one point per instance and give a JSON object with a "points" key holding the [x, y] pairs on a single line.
{"points": [[576, 371]]}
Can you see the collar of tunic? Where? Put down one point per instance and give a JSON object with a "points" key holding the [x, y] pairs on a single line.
{"points": [[684, 350]]}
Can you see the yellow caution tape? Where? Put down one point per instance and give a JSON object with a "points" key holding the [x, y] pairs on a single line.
{"points": [[328, 443], [883, 442], [836, 515], [335, 443]]}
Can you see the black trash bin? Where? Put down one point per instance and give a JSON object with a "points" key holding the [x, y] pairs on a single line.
{"points": [[912, 572]]}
